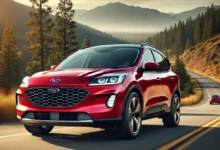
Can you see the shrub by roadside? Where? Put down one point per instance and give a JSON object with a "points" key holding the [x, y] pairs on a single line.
{"points": [[7, 107], [193, 98]]}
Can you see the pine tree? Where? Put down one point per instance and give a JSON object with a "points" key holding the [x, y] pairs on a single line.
{"points": [[9, 60], [180, 70], [180, 38], [65, 36], [210, 27], [86, 42], [188, 43], [40, 36], [198, 30], [189, 29]]}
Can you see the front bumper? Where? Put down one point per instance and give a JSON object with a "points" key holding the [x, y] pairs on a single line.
{"points": [[93, 105], [102, 123]]}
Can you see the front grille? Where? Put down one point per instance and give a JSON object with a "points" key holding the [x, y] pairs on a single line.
{"points": [[56, 97]]}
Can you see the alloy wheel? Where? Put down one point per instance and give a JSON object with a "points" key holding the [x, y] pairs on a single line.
{"points": [[134, 115], [177, 109]]}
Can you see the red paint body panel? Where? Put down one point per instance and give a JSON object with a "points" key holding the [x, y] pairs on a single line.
{"points": [[153, 91]]}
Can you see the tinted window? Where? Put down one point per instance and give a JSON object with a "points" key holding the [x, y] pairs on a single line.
{"points": [[162, 61], [148, 57], [167, 64], [109, 57], [215, 96]]}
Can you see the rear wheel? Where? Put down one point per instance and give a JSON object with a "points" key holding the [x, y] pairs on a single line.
{"points": [[38, 130], [173, 118], [132, 118]]}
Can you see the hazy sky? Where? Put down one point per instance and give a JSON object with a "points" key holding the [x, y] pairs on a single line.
{"points": [[161, 5]]}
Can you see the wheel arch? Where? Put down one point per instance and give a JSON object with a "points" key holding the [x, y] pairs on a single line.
{"points": [[177, 91], [136, 89]]}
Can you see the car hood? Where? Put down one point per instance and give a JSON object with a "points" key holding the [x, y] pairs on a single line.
{"points": [[73, 76]]}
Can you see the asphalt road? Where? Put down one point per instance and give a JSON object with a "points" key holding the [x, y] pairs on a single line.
{"points": [[199, 129]]}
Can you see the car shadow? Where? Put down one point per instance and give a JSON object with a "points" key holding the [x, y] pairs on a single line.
{"points": [[151, 137]]}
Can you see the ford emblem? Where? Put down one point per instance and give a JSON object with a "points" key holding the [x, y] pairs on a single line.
{"points": [[53, 90], [55, 80]]}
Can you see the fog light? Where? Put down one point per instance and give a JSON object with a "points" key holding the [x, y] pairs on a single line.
{"points": [[111, 101]]}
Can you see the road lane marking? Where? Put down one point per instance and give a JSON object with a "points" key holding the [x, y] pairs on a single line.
{"points": [[196, 137], [206, 89], [186, 136], [25, 133], [195, 74]]}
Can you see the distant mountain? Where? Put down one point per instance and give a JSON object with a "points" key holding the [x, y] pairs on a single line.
{"points": [[119, 17], [171, 13], [193, 13], [79, 11]]}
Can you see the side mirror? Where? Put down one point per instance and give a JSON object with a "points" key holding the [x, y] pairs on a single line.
{"points": [[53, 67], [151, 66]]}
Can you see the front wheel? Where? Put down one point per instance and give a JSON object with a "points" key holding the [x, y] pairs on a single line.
{"points": [[173, 118], [38, 130], [132, 117]]}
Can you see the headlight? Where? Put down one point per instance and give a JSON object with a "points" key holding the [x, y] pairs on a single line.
{"points": [[25, 82], [108, 80]]}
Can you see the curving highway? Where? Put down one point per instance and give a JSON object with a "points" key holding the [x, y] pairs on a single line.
{"points": [[199, 129]]}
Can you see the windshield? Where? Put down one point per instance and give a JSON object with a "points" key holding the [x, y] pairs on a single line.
{"points": [[114, 57], [215, 96]]}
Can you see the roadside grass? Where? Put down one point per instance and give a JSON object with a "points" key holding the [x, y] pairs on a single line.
{"points": [[7, 107], [194, 98]]}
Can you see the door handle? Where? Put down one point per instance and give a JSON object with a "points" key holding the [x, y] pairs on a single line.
{"points": [[158, 79], [172, 78]]}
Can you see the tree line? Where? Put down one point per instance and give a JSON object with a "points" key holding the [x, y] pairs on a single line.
{"points": [[184, 35], [50, 42]]}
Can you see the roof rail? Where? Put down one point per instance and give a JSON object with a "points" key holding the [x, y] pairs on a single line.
{"points": [[145, 44]]}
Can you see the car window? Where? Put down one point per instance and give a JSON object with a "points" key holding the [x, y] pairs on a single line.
{"points": [[167, 64], [148, 57], [105, 57], [162, 61]]}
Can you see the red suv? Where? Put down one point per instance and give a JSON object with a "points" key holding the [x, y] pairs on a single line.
{"points": [[113, 87]]}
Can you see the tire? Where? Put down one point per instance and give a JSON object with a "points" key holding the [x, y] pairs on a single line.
{"points": [[172, 119], [132, 118], [38, 130]]}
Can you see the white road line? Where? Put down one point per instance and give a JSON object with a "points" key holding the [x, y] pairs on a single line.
{"points": [[12, 135], [216, 89], [25, 133], [206, 89]]}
